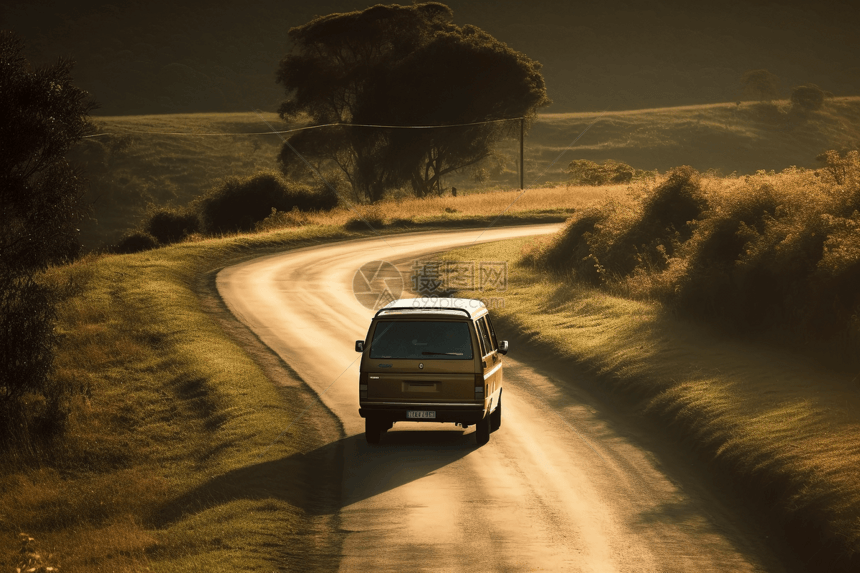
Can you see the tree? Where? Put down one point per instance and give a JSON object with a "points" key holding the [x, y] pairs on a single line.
{"points": [[398, 65], [808, 97], [41, 203], [41, 193], [327, 72], [464, 76], [760, 85]]}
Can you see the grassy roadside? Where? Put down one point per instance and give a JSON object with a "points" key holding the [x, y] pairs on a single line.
{"points": [[782, 427], [166, 462]]}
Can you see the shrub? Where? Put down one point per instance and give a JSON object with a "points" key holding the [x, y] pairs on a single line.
{"points": [[839, 167], [27, 325], [135, 242], [570, 251], [767, 251], [239, 204], [169, 226], [585, 172], [651, 233], [808, 97], [32, 403], [610, 242]]}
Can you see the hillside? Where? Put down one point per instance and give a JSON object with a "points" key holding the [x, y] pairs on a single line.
{"points": [[130, 167], [157, 56]]}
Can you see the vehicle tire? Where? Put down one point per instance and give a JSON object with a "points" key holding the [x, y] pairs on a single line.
{"points": [[482, 431], [372, 431], [496, 417]]}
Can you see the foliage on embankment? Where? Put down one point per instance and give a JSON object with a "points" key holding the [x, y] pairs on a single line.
{"points": [[768, 251]]}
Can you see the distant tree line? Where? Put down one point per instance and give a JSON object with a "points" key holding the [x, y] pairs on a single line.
{"points": [[762, 85], [400, 66]]}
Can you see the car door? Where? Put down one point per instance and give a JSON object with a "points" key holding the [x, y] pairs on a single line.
{"points": [[491, 361], [498, 355]]}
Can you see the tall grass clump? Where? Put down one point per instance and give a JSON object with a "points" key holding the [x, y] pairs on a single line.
{"points": [[768, 251], [609, 243], [238, 204]]}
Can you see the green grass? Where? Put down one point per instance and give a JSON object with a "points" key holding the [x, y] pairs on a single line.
{"points": [[130, 170], [781, 426]]}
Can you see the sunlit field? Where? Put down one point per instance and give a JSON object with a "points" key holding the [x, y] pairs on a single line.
{"points": [[135, 166], [509, 206]]}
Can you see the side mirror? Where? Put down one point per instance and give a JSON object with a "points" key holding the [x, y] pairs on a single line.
{"points": [[359, 346], [503, 346]]}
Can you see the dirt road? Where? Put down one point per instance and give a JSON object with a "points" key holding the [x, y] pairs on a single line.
{"points": [[564, 485]]}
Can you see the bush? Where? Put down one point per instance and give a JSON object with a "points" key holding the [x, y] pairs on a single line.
{"points": [[169, 226], [239, 204], [808, 97], [570, 251], [649, 235], [27, 333], [613, 241], [766, 251], [135, 242], [585, 172], [839, 167], [32, 403]]}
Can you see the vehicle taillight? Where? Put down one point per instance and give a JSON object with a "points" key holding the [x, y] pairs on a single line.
{"points": [[479, 387]]}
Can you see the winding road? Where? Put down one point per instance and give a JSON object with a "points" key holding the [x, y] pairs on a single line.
{"points": [[565, 485]]}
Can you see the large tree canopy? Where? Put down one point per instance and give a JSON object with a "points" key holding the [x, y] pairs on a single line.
{"points": [[401, 66], [460, 77]]}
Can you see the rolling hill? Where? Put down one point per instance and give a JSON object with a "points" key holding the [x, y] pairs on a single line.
{"points": [[132, 165]]}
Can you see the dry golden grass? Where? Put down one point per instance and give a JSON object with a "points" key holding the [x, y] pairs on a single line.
{"points": [[776, 421], [475, 207], [165, 463]]}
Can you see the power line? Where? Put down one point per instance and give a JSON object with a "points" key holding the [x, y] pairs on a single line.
{"points": [[305, 128]]}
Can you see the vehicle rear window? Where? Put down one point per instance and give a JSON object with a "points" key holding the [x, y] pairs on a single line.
{"points": [[415, 339]]}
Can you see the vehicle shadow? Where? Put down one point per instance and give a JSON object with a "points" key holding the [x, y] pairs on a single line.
{"points": [[333, 476]]}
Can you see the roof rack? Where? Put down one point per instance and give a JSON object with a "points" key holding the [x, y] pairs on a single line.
{"points": [[414, 308]]}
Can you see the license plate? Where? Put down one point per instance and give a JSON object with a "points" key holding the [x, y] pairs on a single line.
{"points": [[420, 414]]}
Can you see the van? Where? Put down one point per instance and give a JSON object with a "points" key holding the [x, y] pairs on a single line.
{"points": [[431, 360]]}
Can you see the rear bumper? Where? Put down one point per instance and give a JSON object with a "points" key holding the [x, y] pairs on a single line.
{"points": [[458, 413]]}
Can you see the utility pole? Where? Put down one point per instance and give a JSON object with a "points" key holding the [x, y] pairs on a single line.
{"points": [[522, 162]]}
